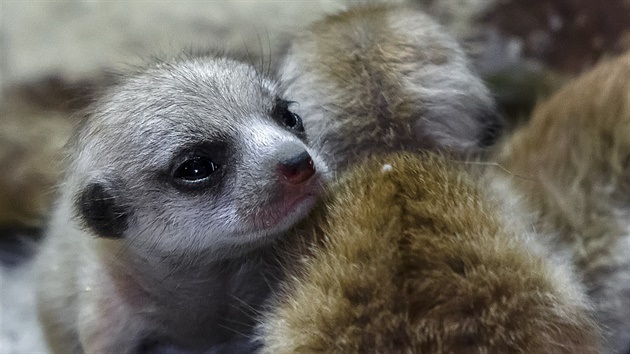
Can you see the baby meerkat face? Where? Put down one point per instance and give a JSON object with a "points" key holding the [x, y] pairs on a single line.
{"points": [[200, 155]]}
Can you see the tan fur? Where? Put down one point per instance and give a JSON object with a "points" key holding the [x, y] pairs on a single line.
{"points": [[574, 156], [416, 260]]}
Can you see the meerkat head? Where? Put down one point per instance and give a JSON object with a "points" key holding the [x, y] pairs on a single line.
{"points": [[199, 154], [381, 78]]}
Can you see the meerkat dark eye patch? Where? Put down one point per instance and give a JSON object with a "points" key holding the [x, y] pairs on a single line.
{"points": [[286, 117], [199, 167], [102, 212]]}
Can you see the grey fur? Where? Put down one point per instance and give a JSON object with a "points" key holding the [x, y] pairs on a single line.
{"points": [[380, 78], [191, 266]]}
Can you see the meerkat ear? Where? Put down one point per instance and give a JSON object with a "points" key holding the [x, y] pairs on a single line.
{"points": [[101, 211]]}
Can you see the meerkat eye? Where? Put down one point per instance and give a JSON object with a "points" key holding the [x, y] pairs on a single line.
{"points": [[283, 115], [292, 120], [195, 169]]}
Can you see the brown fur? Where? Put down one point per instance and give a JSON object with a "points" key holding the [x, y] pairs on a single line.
{"points": [[416, 260], [575, 155], [383, 78]]}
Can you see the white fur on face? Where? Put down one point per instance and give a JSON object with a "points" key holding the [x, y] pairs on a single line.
{"points": [[217, 225], [260, 137]]}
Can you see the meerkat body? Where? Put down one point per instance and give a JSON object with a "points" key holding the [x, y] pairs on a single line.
{"points": [[178, 183], [570, 163], [379, 78], [408, 255]]}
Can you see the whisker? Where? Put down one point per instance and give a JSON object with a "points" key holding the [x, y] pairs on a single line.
{"points": [[498, 165]]}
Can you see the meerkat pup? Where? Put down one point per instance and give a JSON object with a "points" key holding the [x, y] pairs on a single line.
{"points": [[178, 183], [382, 77], [398, 263], [574, 156]]}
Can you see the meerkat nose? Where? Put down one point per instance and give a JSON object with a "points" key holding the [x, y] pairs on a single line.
{"points": [[297, 169]]}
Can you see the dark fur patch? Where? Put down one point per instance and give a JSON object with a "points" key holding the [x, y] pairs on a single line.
{"points": [[102, 212], [493, 127]]}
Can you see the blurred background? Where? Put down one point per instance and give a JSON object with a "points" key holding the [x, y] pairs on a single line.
{"points": [[55, 55]]}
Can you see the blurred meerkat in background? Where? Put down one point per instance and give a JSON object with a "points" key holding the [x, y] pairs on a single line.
{"points": [[401, 264], [574, 155], [386, 77]]}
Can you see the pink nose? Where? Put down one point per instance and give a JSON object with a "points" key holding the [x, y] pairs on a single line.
{"points": [[297, 169]]}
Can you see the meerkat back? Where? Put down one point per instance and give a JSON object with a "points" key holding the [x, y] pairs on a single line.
{"points": [[570, 164], [379, 78], [409, 256]]}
